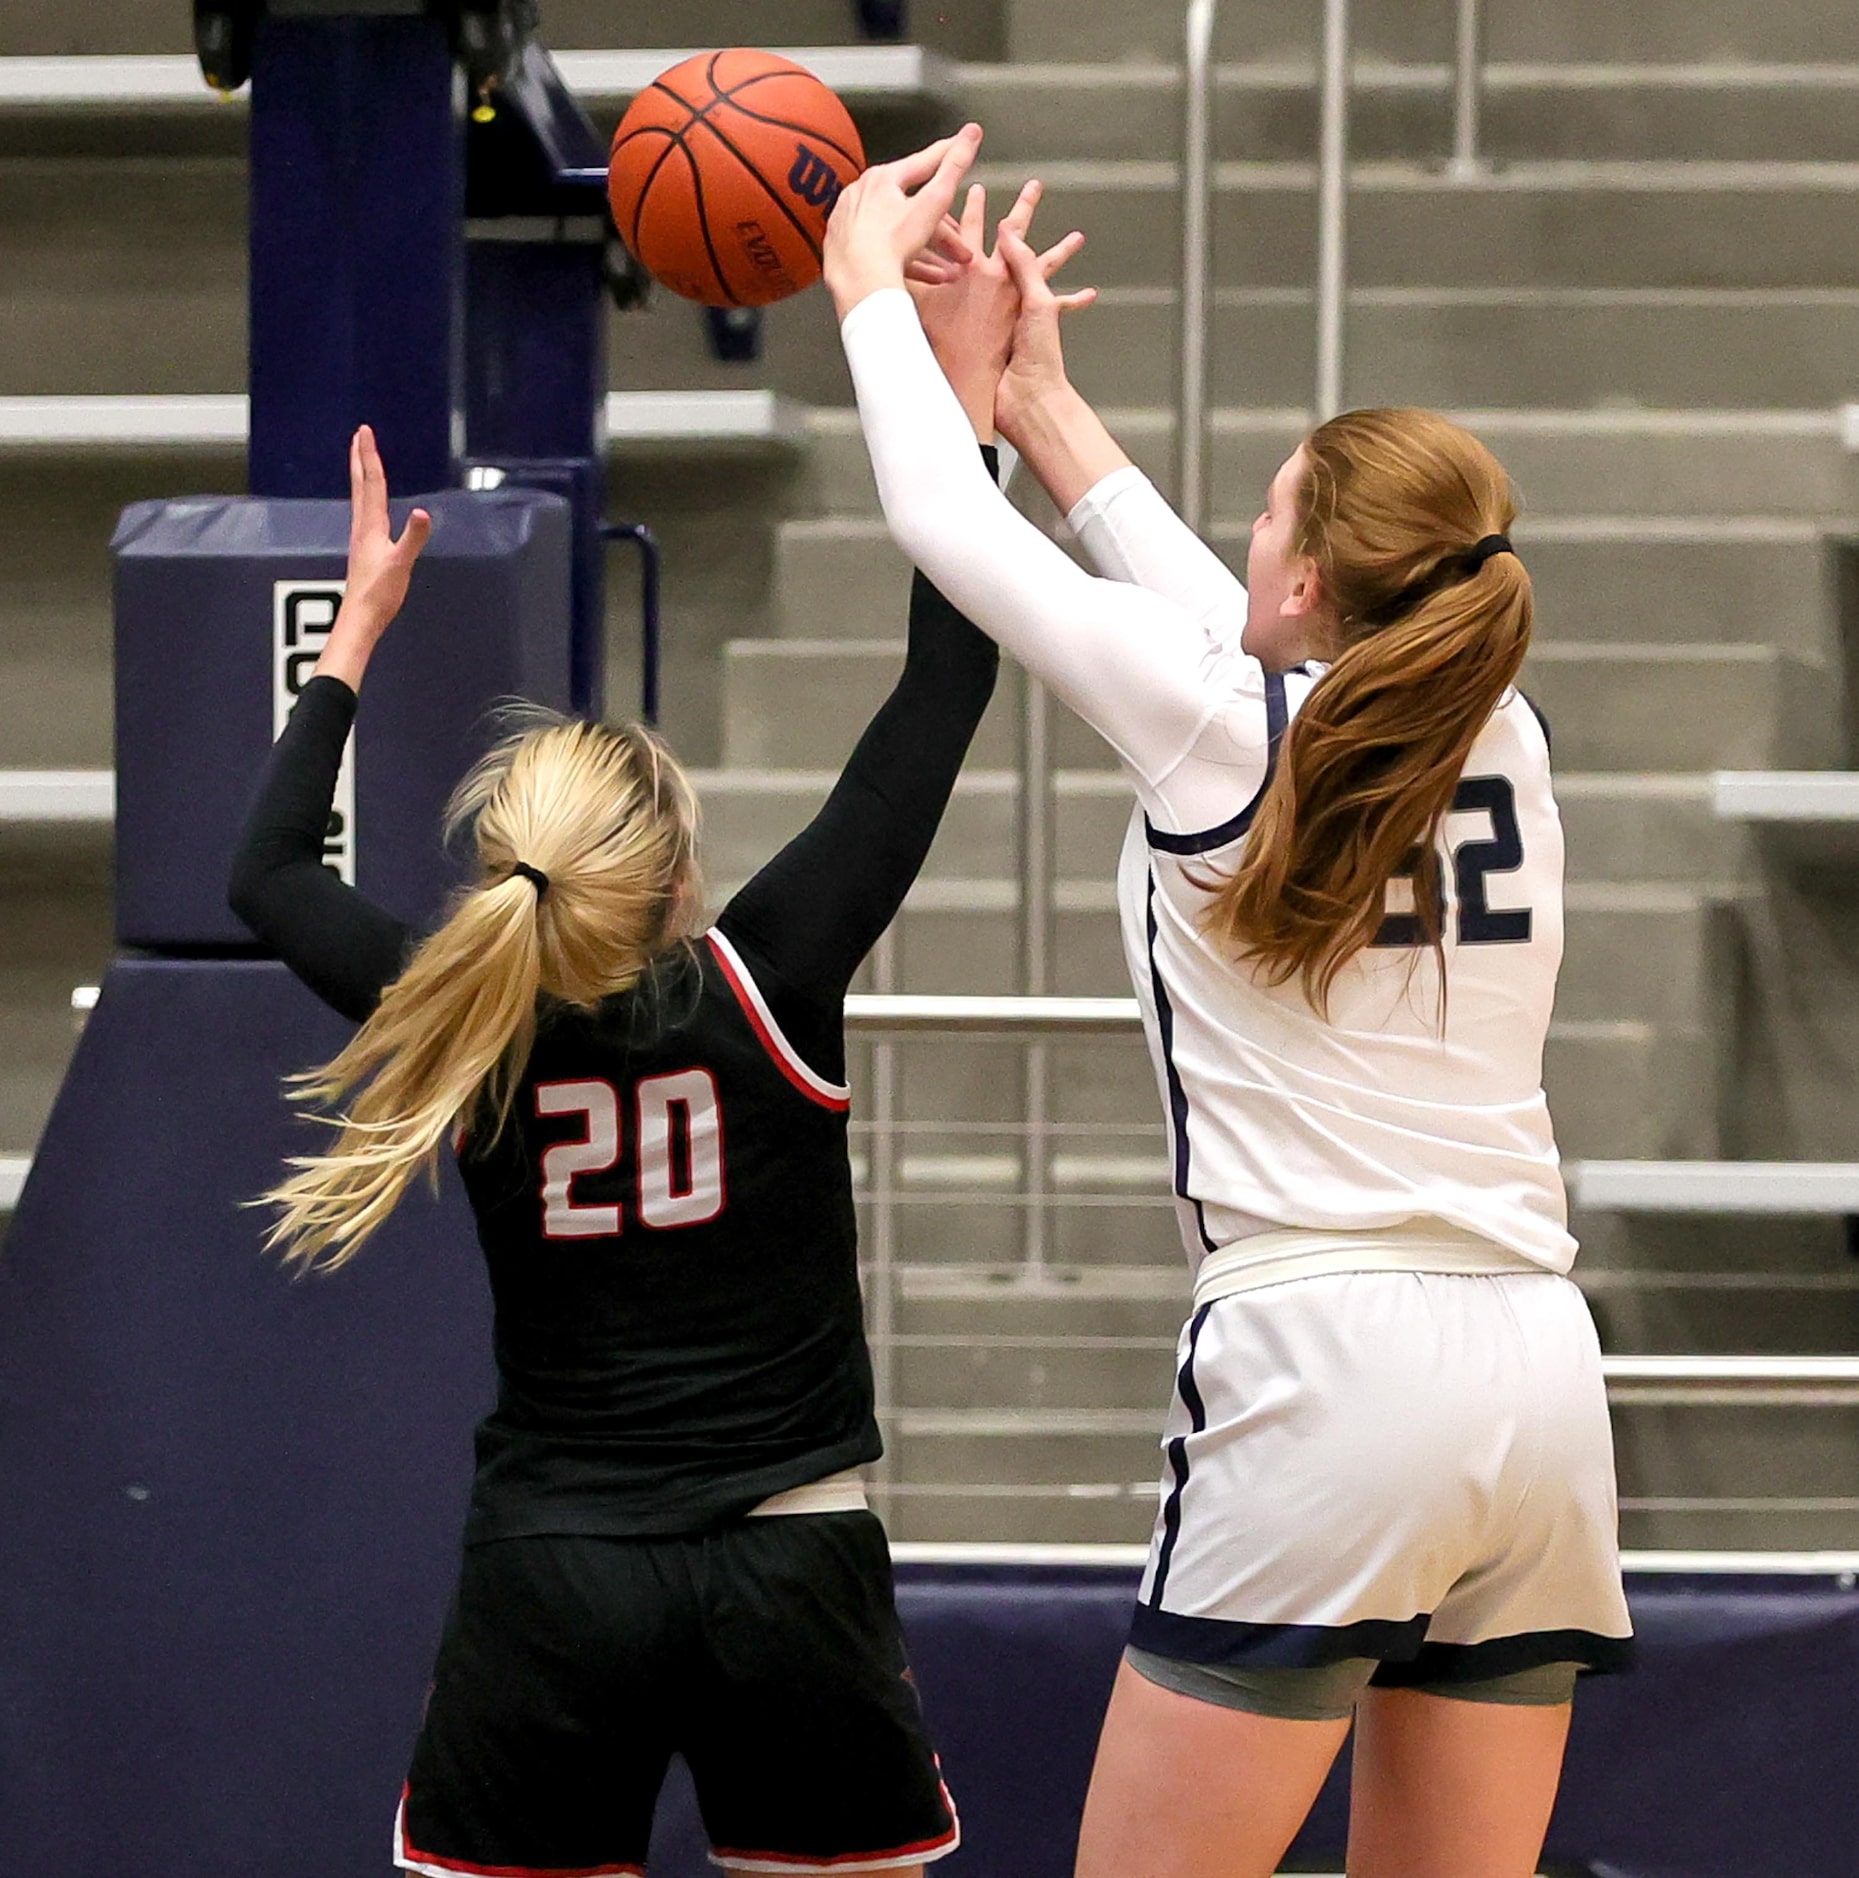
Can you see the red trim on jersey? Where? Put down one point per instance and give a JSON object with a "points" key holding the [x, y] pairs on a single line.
{"points": [[786, 1060], [405, 1852]]}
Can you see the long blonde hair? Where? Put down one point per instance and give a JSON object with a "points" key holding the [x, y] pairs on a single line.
{"points": [[1393, 504], [608, 819]]}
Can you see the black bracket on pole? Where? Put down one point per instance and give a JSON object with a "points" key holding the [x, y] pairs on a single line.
{"points": [[883, 19]]}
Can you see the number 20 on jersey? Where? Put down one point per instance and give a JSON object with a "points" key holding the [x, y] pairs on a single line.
{"points": [[677, 1150]]}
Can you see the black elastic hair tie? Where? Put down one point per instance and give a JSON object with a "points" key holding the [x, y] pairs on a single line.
{"points": [[535, 876], [1482, 551]]}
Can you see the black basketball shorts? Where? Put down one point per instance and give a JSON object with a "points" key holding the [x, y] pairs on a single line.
{"points": [[767, 1654]]}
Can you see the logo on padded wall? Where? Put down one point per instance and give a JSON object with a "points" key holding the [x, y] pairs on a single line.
{"points": [[302, 612]]}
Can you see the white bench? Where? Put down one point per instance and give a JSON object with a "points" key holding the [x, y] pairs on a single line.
{"points": [[34, 796], [1774, 1188], [632, 420], [864, 76], [1810, 814]]}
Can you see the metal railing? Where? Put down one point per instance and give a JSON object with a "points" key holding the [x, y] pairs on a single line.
{"points": [[1198, 170], [1468, 86], [1197, 167]]}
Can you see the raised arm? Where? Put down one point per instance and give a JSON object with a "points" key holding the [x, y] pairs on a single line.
{"points": [[1142, 671], [1128, 530], [343, 946]]}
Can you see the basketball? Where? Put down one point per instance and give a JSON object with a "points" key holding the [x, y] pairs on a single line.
{"points": [[723, 174]]}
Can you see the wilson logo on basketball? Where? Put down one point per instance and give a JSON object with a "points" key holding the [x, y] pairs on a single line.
{"points": [[813, 179]]}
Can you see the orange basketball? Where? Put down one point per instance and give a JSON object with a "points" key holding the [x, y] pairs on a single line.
{"points": [[723, 174]]}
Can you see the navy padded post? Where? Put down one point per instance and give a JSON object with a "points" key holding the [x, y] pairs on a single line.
{"points": [[197, 629], [231, 1501]]}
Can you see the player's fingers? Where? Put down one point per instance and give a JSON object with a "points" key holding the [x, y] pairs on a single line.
{"points": [[1020, 217], [358, 489], [973, 226], [1076, 302], [373, 479], [928, 271], [1023, 265], [952, 243], [1056, 256], [413, 537], [937, 195], [916, 169]]}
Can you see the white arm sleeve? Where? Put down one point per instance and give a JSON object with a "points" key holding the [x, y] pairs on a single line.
{"points": [[1142, 671], [1131, 534]]}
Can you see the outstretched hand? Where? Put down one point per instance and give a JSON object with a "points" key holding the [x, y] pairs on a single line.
{"points": [[1035, 366], [380, 567], [969, 308], [892, 213]]}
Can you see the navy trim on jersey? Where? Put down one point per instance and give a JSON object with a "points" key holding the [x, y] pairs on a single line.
{"points": [[1190, 1394], [1186, 1639], [1277, 715], [1407, 1660], [1177, 1095], [1536, 711], [1445, 1663]]}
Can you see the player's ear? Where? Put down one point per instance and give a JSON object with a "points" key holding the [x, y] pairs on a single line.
{"points": [[1305, 595]]}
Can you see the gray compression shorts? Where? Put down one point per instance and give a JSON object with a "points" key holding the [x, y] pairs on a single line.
{"points": [[1331, 1691]]}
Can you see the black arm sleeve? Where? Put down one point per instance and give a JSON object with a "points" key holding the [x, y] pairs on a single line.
{"points": [[344, 947], [810, 916]]}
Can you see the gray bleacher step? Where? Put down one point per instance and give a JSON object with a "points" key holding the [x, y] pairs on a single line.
{"points": [[966, 1227], [1648, 32], [1639, 579], [795, 704], [1682, 707], [748, 814], [1764, 1524], [56, 918], [1529, 225], [1522, 345], [1619, 826], [1630, 1088], [801, 704], [1568, 464], [1266, 110], [1558, 347], [1647, 827], [987, 1371], [124, 274]]}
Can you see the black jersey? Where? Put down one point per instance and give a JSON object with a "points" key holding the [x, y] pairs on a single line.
{"points": [[669, 1226], [668, 1217]]}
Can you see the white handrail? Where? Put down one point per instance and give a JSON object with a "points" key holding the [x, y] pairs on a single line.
{"points": [[1196, 262], [1332, 209]]}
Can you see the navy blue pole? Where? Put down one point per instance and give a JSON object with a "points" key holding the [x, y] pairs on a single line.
{"points": [[357, 247]]}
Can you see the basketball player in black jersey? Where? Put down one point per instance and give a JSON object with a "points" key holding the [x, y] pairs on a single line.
{"points": [[667, 1549]]}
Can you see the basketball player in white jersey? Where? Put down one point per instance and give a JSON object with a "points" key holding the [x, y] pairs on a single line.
{"points": [[1389, 1489]]}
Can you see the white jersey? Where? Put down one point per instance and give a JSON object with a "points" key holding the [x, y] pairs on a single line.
{"points": [[1389, 1122]]}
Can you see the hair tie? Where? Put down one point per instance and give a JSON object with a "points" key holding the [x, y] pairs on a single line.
{"points": [[1482, 551], [535, 876]]}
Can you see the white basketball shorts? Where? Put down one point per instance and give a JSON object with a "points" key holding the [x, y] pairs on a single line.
{"points": [[1409, 1466]]}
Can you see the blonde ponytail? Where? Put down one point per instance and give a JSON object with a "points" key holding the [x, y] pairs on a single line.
{"points": [[1397, 511], [603, 824]]}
